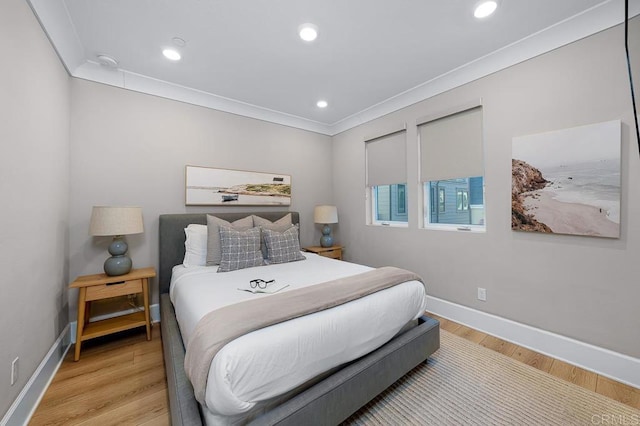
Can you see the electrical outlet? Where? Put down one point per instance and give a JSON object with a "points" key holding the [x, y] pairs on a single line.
{"points": [[482, 294], [14, 371]]}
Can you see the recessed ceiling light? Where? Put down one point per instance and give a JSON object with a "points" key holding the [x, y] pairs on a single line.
{"points": [[485, 8], [322, 104], [171, 54], [308, 32]]}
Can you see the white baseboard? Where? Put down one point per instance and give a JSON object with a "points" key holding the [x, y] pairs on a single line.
{"points": [[154, 310], [27, 401], [622, 368]]}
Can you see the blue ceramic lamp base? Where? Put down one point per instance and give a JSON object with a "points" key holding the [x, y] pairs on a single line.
{"points": [[119, 263], [326, 240]]}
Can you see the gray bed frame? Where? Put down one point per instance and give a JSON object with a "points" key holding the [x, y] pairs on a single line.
{"points": [[328, 402]]}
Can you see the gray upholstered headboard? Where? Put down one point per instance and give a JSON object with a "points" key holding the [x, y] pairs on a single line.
{"points": [[172, 237]]}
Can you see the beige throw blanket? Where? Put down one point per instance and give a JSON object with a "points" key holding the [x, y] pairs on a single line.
{"points": [[223, 325]]}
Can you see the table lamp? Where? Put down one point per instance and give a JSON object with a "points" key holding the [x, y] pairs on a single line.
{"points": [[116, 222], [325, 215]]}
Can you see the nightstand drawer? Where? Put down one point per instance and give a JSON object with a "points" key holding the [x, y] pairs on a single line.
{"points": [[120, 288], [333, 254]]}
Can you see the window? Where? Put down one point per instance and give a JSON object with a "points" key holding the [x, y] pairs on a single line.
{"points": [[432, 200], [402, 199], [462, 212], [452, 169], [462, 199], [390, 203], [386, 159]]}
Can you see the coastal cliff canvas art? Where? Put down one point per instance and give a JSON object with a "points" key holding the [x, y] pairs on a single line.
{"points": [[206, 186], [568, 181]]}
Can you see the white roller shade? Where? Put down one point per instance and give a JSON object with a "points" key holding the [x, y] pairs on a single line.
{"points": [[387, 159], [451, 146]]}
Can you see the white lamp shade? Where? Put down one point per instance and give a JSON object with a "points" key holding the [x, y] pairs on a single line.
{"points": [[325, 214], [110, 221]]}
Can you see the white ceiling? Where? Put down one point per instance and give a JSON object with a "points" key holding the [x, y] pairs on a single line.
{"points": [[371, 56]]}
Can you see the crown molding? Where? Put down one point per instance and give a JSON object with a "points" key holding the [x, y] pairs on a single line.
{"points": [[577, 27], [93, 71], [56, 21]]}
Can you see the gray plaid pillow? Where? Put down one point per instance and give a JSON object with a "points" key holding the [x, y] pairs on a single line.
{"points": [[282, 247], [279, 225], [214, 251], [240, 249]]}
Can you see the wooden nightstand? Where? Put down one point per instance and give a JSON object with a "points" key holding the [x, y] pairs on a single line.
{"points": [[101, 286], [334, 252]]}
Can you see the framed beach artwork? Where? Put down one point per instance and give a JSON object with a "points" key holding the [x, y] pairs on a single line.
{"points": [[206, 186], [568, 181]]}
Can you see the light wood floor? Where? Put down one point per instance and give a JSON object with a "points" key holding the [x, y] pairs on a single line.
{"points": [[581, 377], [120, 379]]}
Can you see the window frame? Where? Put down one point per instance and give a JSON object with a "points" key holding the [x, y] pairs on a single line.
{"points": [[427, 207], [390, 134]]}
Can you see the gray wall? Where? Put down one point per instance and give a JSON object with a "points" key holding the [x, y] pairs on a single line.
{"points": [[581, 287], [34, 189], [126, 148], [129, 148]]}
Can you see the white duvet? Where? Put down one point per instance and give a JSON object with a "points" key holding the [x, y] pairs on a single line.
{"points": [[267, 363]]}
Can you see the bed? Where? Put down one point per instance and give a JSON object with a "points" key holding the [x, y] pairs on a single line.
{"points": [[327, 399]]}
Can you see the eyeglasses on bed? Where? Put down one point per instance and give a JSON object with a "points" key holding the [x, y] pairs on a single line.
{"points": [[260, 283]]}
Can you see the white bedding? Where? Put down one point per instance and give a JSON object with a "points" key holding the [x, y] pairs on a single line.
{"points": [[270, 362]]}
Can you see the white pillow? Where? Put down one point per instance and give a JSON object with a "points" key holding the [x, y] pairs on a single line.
{"points": [[195, 246]]}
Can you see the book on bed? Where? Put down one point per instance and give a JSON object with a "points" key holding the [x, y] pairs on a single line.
{"points": [[270, 288]]}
